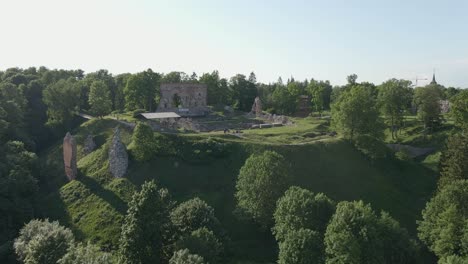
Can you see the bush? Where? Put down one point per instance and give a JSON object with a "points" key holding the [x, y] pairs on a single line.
{"points": [[43, 242], [137, 112], [444, 228], [194, 214], [89, 254], [143, 144], [204, 243], [205, 150], [403, 155], [183, 256], [301, 246]]}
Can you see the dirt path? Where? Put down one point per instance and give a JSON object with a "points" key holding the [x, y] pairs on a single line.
{"points": [[412, 151]]}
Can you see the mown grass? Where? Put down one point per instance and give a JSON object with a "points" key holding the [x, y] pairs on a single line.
{"points": [[95, 204]]}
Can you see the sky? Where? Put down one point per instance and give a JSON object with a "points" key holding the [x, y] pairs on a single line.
{"points": [[324, 40]]}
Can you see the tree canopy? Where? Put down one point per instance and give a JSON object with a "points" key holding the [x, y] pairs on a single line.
{"points": [[261, 181], [146, 227]]}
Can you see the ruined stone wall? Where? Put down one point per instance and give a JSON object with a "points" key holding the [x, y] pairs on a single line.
{"points": [[192, 96], [69, 156]]}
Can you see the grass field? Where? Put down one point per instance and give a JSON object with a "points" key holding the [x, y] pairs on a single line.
{"points": [[94, 205]]}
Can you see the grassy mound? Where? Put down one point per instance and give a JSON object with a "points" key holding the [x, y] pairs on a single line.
{"points": [[95, 204]]}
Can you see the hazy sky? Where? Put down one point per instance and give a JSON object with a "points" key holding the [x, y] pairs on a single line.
{"points": [[325, 40]]}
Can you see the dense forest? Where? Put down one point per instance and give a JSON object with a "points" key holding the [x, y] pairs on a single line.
{"points": [[38, 106]]}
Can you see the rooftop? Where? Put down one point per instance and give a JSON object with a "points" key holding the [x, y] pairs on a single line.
{"points": [[160, 115]]}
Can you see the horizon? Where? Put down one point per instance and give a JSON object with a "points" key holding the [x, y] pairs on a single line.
{"points": [[304, 40]]}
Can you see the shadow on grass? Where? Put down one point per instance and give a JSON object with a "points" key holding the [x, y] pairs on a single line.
{"points": [[111, 198]]}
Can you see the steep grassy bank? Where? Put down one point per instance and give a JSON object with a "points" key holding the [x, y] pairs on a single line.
{"points": [[95, 204]]}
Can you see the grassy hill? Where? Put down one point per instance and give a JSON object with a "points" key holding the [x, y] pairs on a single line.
{"points": [[94, 205]]}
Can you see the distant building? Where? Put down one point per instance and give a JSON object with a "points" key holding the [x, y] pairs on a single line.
{"points": [[185, 99]]}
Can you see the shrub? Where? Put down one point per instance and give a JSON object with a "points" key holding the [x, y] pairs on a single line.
{"points": [[194, 214], [43, 242], [202, 242], [137, 112], [143, 144], [183, 256]]}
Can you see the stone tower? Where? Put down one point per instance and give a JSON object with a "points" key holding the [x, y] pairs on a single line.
{"points": [[69, 156], [118, 157]]}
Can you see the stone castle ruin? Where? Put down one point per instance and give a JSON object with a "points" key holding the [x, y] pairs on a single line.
{"points": [[69, 156], [118, 157], [257, 107], [185, 99]]}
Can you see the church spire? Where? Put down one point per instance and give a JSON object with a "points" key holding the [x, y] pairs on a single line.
{"points": [[433, 78]]}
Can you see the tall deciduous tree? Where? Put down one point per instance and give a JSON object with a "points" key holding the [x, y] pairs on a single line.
{"points": [[300, 208], [394, 98], [300, 222], [146, 227], [301, 246], [320, 92], [427, 100], [99, 99], [141, 91], [444, 228], [459, 109], [454, 160], [243, 92], [355, 235], [61, 99], [262, 180], [355, 113]]}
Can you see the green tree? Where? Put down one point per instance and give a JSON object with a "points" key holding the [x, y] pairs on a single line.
{"points": [[86, 254], [444, 228], [301, 246], [454, 160], [43, 242], [142, 90], [427, 100], [262, 180], [146, 227], [99, 99], [243, 92], [459, 109], [183, 256], [394, 98], [143, 142], [283, 102], [194, 214], [61, 99], [356, 235], [321, 94], [218, 91], [18, 188], [355, 113], [300, 208], [204, 243]]}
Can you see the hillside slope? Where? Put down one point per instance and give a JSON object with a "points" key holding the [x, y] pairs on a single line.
{"points": [[95, 204]]}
